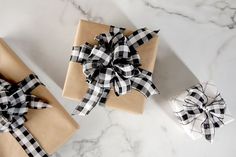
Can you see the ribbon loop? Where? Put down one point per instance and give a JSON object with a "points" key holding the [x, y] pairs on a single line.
{"points": [[114, 62]]}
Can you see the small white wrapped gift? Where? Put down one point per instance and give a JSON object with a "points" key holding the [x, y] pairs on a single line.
{"points": [[201, 110]]}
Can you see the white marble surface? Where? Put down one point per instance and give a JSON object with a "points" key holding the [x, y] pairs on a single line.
{"points": [[197, 41]]}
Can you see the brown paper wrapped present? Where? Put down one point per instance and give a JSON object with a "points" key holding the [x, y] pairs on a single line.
{"points": [[75, 86], [50, 127]]}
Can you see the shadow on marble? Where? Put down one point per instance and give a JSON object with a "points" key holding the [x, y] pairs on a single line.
{"points": [[48, 40], [170, 75]]}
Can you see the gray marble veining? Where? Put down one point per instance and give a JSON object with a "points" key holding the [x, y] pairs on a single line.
{"points": [[197, 42]]}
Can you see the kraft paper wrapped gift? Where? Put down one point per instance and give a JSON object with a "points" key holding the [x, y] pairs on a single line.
{"points": [[50, 127], [75, 86]]}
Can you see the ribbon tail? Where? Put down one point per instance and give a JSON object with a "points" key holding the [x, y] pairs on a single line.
{"points": [[28, 143], [104, 97], [143, 83], [34, 102], [208, 129], [140, 37], [93, 97]]}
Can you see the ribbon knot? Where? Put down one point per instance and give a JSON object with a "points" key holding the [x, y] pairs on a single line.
{"points": [[110, 59], [197, 104], [15, 101], [113, 63]]}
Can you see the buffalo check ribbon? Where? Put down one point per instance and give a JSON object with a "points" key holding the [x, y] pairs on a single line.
{"points": [[197, 104], [15, 101], [113, 62]]}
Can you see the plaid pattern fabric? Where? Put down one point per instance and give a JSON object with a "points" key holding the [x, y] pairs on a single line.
{"points": [[15, 101], [27, 142], [197, 104], [93, 95], [113, 63]]}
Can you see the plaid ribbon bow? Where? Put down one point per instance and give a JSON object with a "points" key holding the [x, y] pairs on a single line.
{"points": [[196, 104], [15, 101], [114, 62]]}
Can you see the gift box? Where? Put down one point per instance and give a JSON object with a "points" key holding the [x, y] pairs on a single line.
{"points": [[51, 127], [201, 110], [75, 86]]}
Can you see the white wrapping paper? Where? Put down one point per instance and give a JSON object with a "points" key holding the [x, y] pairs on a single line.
{"points": [[194, 129]]}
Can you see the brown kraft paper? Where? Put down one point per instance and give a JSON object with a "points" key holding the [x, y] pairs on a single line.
{"points": [[51, 127], [75, 86]]}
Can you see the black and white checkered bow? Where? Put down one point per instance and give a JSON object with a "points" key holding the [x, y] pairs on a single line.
{"points": [[15, 101], [114, 62], [196, 104]]}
